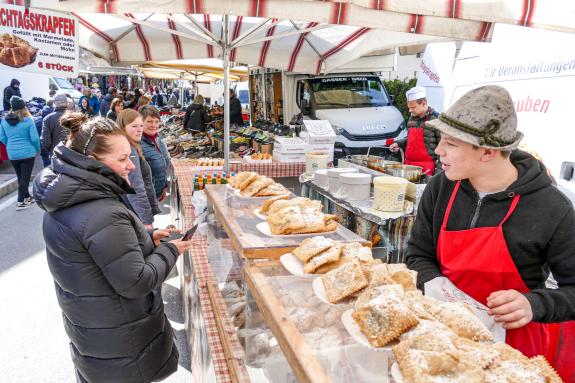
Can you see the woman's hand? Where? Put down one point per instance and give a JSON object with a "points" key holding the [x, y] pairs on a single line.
{"points": [[157, 235], [510, 307], [181, 245]]}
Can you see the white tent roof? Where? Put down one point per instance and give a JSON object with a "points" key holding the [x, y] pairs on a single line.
{"points": [[336, 32]]}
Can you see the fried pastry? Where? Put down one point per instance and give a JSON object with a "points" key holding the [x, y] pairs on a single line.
{"points": [[343, 281], [406, 278], [298, 201], [310, 247], [429, 328], [384, 318], [15, 51], [535, 370], [378, 275], [426, 359], [357, 250], [267, 203], [373, 292], [417, 303], [331, 254], [248, 180], [236, 180], [256, 185], [274, 189], [462, 320]]}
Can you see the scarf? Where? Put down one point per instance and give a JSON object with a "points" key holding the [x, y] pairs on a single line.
{"points": [[154, 139]]}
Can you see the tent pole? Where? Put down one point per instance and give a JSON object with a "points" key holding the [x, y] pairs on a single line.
{"points": [[182, 90], [226, 54]]}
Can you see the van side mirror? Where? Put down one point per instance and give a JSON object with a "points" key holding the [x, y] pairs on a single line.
{"points": [[305, 107], [392, 99]]}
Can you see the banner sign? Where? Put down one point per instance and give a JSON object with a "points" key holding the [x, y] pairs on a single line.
{"points": [[38, 41]]}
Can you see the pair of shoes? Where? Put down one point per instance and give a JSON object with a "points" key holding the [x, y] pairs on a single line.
{"points": [[29, 200], [23, 205]]}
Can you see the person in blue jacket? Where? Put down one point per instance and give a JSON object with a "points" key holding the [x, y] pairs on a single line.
{"points": [[92, 100], [155, 151], [18, 132]]}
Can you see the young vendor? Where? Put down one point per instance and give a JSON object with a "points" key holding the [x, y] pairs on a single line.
{"points": [[493, 223]]}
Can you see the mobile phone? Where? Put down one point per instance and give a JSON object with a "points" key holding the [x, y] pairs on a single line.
{"points": [[190, 233]]}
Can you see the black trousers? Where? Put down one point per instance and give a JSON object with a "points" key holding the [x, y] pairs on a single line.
{"points": [[23, 170]]}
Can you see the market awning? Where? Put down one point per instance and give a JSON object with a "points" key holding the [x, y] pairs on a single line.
{"points": [[297, 35], [200, 71]]}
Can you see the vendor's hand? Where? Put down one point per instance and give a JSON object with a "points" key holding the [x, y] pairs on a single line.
{"points": [[181, 245], [157, 235], [509, 307], [394, 147], [163, 196]]}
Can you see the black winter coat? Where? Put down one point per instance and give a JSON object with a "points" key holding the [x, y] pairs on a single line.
{"points": [[196, 118], [105, 104], [10, 91], [52, 132], [236, 112], [540, 234], [107, 272]]}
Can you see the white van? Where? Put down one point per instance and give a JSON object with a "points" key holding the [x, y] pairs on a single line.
{"points": [[356, 104], [39, 85], [539, 73]]}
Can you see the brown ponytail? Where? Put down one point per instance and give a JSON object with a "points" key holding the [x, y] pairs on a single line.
{"points": [[88, 136], [126, 117]]}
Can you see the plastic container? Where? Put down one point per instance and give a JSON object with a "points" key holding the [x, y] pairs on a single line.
{"points": [[354, 186], [315, 161], [389, 193], [333, 175], [321, 179]]}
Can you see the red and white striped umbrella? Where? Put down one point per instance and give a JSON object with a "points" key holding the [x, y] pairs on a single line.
{"points": [[296, 35]]}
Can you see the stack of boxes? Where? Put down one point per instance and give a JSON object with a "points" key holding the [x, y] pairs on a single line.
{"points": [[319, 137]]}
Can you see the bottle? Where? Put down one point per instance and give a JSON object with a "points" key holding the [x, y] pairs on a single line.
{"points": [[196, 183], [218, 178], [200, 182], [209, 180], [224, 179], [214, 178]]}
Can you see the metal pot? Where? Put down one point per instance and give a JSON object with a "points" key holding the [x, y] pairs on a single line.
{"points": [[409, 172], [379, 163], [358, 159]]}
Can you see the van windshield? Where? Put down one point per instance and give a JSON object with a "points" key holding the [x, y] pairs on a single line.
{"points": [[348, 92], [63, 83]]}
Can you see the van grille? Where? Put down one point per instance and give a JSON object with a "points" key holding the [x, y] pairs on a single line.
{"points": [[370, 137]]}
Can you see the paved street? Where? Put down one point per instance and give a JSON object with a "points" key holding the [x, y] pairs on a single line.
{"points": [[34, 346]]}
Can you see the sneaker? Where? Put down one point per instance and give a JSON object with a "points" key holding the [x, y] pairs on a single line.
{"points": [[22, 205], [29, 200]]}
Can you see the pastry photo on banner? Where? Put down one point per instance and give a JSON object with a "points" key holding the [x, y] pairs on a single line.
{"points": [[38, 41]]}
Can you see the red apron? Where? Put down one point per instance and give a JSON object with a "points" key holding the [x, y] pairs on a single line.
{"points": [[478, 262], [415, 151]]}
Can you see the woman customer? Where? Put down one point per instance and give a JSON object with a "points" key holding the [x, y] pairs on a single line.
{"points": [[18, 132], [142, 101], [108, 269], [144, 202], [116, 107], [85, 107], [155, 151], [197, 116]]}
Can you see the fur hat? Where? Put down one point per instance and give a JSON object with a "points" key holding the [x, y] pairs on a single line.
{"points": [[483, 117]]}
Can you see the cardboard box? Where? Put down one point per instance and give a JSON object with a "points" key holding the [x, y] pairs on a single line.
{"points": [[288, 157], [288, 145], [318, 132]]}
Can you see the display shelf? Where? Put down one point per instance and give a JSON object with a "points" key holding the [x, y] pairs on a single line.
{"points": [[239, 220]]}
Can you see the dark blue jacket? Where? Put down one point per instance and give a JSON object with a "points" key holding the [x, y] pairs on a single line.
{"points": [[159, 161], [105, 104], [94, 103], [52, 132]]}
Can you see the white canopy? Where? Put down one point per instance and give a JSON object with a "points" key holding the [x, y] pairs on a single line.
{"points": [[269, 32]]}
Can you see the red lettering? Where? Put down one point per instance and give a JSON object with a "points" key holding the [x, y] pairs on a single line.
{"points": [[536, 105], [545, 106]]}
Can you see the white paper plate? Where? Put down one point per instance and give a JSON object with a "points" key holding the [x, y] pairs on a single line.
{"points": [[396, 373], [260, 215], [355, 332], [237, 192], [294, 265], [319, 291], [264, 228]]}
